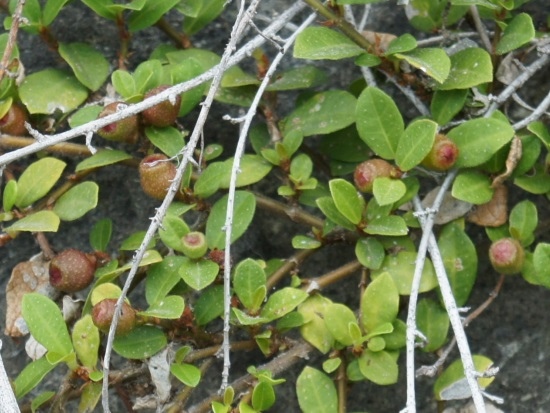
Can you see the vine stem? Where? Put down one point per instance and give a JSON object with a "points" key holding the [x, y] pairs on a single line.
{"points": [[239, 151], [216, 74]]}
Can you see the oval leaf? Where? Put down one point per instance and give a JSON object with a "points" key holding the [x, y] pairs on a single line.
{"points": [[86, 341], [162, 277], [319, 42], [37, 180], [338, 318], [348, 201], [523, 221], [140, 343], [169, 308], [199, 274], [415, 143], [249, 277], [41, 221], [434, 62], [473, 187], [32, 374], [78, 200], [370, 252], [103, 157], [380, 302], [314, 330], [452, 384], [386, 191], [518, 32], [432, 320], [282, 302], [316, 392], [186, 373], [469, 67], [379, 367], [89, 65]]}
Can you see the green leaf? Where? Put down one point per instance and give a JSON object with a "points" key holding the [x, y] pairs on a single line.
{"points": [[186, 373], [452, 383], [518, 32], [387, 191], [282, 302], [391, 225], [523, 221], [252, 169], [398, 337], [199, 274], [140, 343], [149, 14], [298, 78], [46, 324], [51, 10], [100, 234], [331, 365], [348, 201], [316, 392], [41, 221], [169, 308], [344, 145], [537, 182], [124, 84], [541, 131], [263, 396], [172, 231], [100, 8], [469, 67], [89, 65], [244, 208], [328, 207], [432, 320], [103, 157], [415, 144], [40, 400], [479, 139], [162, 277], [446, 104], [314, 330], [460, 260], [210, 179], [85, 337], [379, 367], [403, 43], [473, 187], [541, 263], [379, 303], [433, 62], [323, 113], [77, 201], [37, 180], [338, 318], [148, 75], [379, 122], [209, 11], [51, 90], [236, 77], [10, 195], [249, 283], [32, 374], [370, 252], [317, 42], [401, 268], [302, 242], [209, 305], [84, 115], [134, 240], [367, 60], [169, 140], [91, 393]]}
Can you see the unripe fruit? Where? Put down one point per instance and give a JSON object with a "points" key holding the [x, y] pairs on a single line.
{"points": [[164, 113], [124, 130], [443, 154], [13, 122], [102, 316], [156, 173], [366, 172], [72, 270], [194, 245], [507, 256]]}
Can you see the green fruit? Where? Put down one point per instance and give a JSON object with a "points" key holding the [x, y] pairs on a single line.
{"points": [[164, 113], [102, 316], [13, 122], [443, 154], [194, 245], [156, 173], [507, 256], [366, 172], [72, 270], [124, 130]]}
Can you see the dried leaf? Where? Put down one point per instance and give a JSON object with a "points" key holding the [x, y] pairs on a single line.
{"points": [[34, 349], [159, 368], [26, 277], [495, 212], [451, 208], [379, 39], [512, 160]]}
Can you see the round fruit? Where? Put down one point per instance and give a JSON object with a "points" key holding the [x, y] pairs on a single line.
{"points": [[194, 245], [156, 174], [366, 172], [124, 130], [164, 113], [507, 256], [13, 122], [102, 316], [72, 270], [443, 154]]}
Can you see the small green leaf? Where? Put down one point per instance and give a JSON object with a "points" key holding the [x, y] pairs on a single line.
{"points": [[541, 131], [479, 139], [86, 341], [244, 208], [51, 10], [332, 365], [91, 393], [314, 329], [328, 207], [248, 281], [433, 62], [169, 308], [149, 14], [199, 274], [469, 67], [380, 302], [452, 383], [37, 180], [40, 400], [245, 319], [316, 43], [10, 195], [77, 201], [447, 103], [301, 168], [32, 374], [186, 373], [124, 84], [46, 324], [387, 191], [473, 187], [252, 169], [348, 201], [536, 182], [263, 396], [403, 43], [140, 343], [518, 32], [301, 242], [391, 225], [379, 122], [100, 234], [370, 252], [134, 240], [398, 337], [209, 305], [103, 157], [89, 65], [282, 302], [379, 367], [541, 262], [51, 90], [415, 144], [432, 320], [210, 179], [209, 10], [148, 75], [523, 221], [172, 230], [298, 78], [316, 392], [367, 60], [41, 221], [169, 140], [162, 277], [338, 318]]}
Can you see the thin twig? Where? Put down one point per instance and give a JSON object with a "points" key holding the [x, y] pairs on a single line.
{"points": [[481, 29], [537, 113], [12, 37], [350, 17], [9, 403]]}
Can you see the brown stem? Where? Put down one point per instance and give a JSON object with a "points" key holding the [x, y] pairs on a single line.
{"points": [[12, 37], [289, 265], [213, 350], [342, 388], [296, 214], [335, 275], [44, 245], [47, 36], [181, 39], [124, 36]]}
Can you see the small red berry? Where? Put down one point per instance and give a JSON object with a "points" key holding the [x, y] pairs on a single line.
{"points": [[124, 130], [507, 256], [443, 154], [366, 172], [194, 245], [164, 113], [156, 173], [102, 316], [13, 122], [72, 270]]}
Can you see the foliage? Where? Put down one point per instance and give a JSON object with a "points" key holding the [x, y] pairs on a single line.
{"points": [[308, 154]]}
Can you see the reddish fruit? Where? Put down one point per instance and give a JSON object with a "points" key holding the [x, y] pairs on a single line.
{"points": [[366, 172], [124, 130], [194, 245], [507, 256], [443, 154], [72, 270], [164, 113], [156, 173], [102, 316], [13, 122]]}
